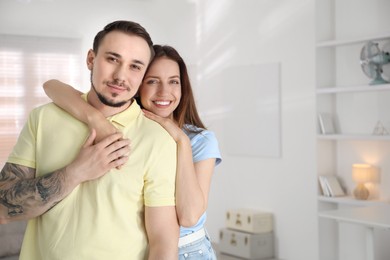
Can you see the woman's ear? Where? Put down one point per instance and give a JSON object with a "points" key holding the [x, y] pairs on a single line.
{"points": [[90, 59]]}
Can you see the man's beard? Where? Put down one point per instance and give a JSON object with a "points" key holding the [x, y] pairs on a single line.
{"points": [[105, 100]]}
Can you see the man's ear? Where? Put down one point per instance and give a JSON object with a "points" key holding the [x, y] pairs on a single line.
{"points": [[90, 59]]}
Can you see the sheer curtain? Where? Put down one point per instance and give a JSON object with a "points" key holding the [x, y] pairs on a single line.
{"points": [[26, 62]]}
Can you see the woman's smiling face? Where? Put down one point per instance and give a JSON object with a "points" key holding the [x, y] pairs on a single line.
{"points": [[160, 91]]}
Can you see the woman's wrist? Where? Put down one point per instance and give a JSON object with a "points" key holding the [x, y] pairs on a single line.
{"points": [[94, 116], [183, 139]]}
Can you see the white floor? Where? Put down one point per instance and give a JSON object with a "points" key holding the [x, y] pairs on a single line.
{"points": [[222, 256]]}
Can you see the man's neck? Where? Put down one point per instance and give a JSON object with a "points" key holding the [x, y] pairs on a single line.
{"points": [[107, 111]]}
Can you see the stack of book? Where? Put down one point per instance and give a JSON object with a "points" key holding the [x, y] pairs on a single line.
{"points": [[330, 186]]}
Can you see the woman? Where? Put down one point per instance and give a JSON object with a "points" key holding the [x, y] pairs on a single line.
{"points": [[167, 98]]}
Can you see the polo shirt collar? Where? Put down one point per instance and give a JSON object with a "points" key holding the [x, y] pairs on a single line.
{"points": [[125, 117]]}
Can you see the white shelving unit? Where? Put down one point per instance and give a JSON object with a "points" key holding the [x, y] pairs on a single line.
{"points": [[354, 137], [343, 91], [351, 89], [333, 43], [351, 201]]}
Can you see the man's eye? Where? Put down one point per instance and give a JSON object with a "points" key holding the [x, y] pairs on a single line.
{"points": [[136, 67], [113, 59]]}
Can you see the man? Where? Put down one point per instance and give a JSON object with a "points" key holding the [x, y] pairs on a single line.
{"points": [[96, 206]]}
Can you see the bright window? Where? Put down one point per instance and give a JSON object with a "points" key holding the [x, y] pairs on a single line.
{"points": [[26, 62]]}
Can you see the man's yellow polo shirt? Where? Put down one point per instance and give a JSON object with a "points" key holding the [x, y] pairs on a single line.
{"points": [[104, 218]]}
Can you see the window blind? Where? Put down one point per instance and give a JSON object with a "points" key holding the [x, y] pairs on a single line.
{"points": [[26, 62]]}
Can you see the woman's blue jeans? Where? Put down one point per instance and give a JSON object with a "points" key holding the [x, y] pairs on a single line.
{"points": [[200, 249]]}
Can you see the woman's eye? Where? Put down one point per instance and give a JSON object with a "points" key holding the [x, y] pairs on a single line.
{"points": [[151, 81], [176, 82]]}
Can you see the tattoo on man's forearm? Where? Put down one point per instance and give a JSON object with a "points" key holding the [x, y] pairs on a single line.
{"points": [[49, 186], [44, 192], [26, 191], [13, 210], [13, 172]]}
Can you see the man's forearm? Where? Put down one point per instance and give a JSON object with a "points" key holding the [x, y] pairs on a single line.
{"points": [[22, 196]]}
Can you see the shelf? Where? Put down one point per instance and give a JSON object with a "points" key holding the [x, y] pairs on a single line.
{"points": [[348, 200], [378, 217], [334, 43], [344, 92], [354, 137], [350, 89]]}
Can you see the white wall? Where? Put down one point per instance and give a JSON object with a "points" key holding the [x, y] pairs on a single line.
{"points": [[212, 35], [83, 19], [263, 32]]}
